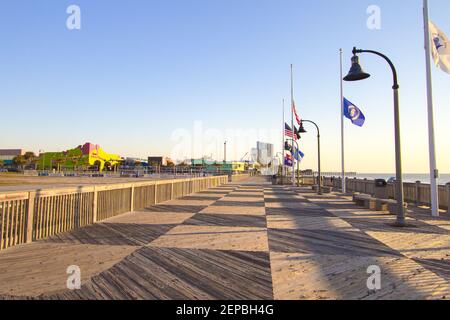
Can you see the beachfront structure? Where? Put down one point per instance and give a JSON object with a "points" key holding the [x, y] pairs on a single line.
{"points": [[81, 157], [7, 155]]}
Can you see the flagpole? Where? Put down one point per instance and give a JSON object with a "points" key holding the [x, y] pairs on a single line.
{"points": [[434, 174], [282, 144], [292, 122], [342, 126]]}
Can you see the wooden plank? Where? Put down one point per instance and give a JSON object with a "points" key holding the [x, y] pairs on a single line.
{"points": [[132, 199], [15, 216], [21, 221], [448, 197], [56, 215], [38, 219], [60, 213], [8, 224], [2, 224], [66, 213]]}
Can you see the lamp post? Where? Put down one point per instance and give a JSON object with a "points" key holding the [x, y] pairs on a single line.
{"points": [[278, 158], [225, 152], [302, 130], [356, 73], [43, 159]]}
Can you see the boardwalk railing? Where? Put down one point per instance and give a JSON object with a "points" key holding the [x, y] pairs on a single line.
{"points": [[33, 215], [415, 193]]}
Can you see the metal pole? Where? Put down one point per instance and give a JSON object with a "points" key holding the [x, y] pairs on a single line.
{"points": [[434, 173], [282, 145], [292, 122], [43, 159], [225, 152], [318, 157], [398, 162], [319, 182], [342, 126]]}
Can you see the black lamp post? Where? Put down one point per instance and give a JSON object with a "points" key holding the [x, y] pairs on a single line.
{"points": [[302, 130], [356, 73]]}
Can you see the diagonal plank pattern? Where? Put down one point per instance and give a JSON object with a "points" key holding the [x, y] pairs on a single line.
{"points": [[246, 241]]}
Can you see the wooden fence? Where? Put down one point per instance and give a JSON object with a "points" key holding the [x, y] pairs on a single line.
{"points": [[33, 215], [414, 193]]}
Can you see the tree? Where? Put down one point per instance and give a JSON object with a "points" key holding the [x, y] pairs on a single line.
{"points": [[29, 156], [2, 163], [19, 161], [170, 163], [98, 164], [108, 166]]}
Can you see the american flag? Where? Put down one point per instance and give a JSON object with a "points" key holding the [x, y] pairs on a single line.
{"points": [[297, 117], [288, 132]]}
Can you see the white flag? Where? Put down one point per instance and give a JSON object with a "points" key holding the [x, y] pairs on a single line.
{"points": [[440, 46]]}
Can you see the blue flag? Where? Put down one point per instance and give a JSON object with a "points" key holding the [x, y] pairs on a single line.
{"points": [[301, 154], [288, 161], [298, 155], [353, 113]]}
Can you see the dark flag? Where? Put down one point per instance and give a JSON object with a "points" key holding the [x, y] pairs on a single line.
{"points": [[297, 133], [287, 147]]}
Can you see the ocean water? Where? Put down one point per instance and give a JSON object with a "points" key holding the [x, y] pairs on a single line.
{"points": [[407, 177]]}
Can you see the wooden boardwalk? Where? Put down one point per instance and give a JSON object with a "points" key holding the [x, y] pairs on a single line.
{"points": [[240, 241]]}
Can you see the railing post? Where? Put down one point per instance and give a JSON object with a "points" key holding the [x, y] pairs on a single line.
{"points": [[171, 191], [30, 216], [417, 193], [447, 187], [156, 193], [94, 206], [132, 198]]}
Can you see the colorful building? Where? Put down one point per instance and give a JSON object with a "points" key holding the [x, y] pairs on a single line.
{"points": [[82, 158]]}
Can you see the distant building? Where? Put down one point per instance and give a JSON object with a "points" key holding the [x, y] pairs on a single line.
{"points": [[157, 161], [254, 155], [7, 155], [265, 153], [132, 162]]}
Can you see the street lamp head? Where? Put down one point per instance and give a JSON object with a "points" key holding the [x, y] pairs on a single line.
{"points": [[356, 72], [302, 128]]}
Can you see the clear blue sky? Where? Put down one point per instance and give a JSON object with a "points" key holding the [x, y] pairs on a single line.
{"points": [[140, 69]]}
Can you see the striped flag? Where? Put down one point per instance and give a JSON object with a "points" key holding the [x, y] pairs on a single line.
{"points": [[297, 117], [288, 132]]}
